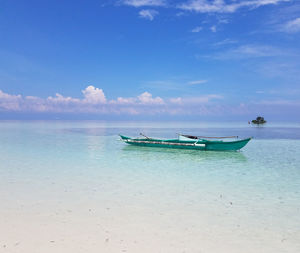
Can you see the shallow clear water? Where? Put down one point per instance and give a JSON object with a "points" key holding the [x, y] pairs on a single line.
{"points": [[72, 186]]}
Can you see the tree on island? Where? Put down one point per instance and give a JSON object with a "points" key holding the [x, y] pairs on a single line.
{"points": [[259, 120]]}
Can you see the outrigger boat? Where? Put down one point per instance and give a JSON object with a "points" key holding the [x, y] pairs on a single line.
{"points": [[190, 142]]}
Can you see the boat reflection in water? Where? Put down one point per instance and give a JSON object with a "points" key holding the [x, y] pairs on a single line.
{"points": [[159, 153]]}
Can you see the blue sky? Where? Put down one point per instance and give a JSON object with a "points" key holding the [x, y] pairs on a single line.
{"points": [[131, 59]]}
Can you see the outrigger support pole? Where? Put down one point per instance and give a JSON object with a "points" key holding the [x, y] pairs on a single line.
{"points": [[144, 136]]}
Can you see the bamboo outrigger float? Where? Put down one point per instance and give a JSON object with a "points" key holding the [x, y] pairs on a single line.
{"points": [[190, 142]]}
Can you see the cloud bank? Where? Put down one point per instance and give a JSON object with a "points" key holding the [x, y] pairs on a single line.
{"points": [[94, 101]]}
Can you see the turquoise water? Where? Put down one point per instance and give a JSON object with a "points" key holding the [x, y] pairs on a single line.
{"points": [[90, 191]]}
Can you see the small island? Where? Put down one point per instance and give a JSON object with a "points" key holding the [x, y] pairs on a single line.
{"points": [[259, 120]]}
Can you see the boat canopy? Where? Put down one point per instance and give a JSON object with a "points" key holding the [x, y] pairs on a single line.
{"points": [[206, 137]]}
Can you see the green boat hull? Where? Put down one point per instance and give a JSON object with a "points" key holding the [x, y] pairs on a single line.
{"points": [[201, 144]]}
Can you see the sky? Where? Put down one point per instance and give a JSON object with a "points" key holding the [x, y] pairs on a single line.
{"points": [[150, 59]]}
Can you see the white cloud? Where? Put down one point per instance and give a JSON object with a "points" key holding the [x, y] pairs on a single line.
{"points": [[181, 13], [94, 101], [220, 6], [144, 104], [225, 42], [199, 100], [223, 21], [33, 98], [198, 6], [10, 102], [202, 6], [292, 26], [148, 14], [141, 3], [143, 99], [255, 51], [93, 98], [197, 29], [93, 95], [146, 98], [6, 96], [58, 99], [213, 28], [121, 100], [250, 51], [197, 82], [176, 100]]}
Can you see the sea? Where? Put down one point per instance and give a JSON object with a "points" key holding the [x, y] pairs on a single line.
{"points": [[73, 186]]}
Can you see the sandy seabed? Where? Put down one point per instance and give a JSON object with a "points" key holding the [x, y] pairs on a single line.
{"points": [[76, 190], [97, 224]]}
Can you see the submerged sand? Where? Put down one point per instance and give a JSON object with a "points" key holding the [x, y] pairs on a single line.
{"points": [[72, 190]]}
